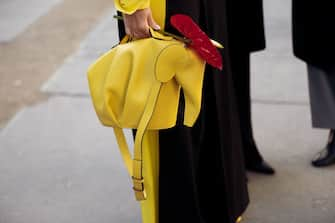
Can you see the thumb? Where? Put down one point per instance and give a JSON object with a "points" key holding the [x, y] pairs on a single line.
{"points": [[152, 23]]}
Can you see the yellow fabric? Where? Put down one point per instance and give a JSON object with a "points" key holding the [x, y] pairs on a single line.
{"points": [[130, 6], [157, 7], [149, 206]]}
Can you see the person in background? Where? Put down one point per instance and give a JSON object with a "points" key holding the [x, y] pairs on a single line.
{"points": [[314, 43], [246, 35]]}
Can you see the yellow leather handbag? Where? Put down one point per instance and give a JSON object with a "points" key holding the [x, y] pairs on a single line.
{"points": [[137, 85]]}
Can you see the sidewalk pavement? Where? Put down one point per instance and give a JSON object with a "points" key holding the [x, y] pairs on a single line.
{"points": [[58, 164]]}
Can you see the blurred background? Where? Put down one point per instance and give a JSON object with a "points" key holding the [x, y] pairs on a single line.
{"points": [[58, 164]]}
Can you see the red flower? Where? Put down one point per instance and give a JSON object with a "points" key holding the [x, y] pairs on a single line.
{"points": [[200, 42]]}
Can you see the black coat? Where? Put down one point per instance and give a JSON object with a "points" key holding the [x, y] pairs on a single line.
{"points": [[246, 25], [208, 158], [314, 32]]}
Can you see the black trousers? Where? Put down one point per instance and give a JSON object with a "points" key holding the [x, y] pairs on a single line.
{"points": [[240, 61]]}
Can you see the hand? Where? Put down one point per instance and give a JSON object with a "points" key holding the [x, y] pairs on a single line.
{"points": [[137, 24]]}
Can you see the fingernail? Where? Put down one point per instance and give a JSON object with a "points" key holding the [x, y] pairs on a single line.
{"points": [[157, 27]]}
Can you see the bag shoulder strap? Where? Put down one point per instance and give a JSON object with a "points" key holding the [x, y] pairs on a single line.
{"points": [[135, 166]]}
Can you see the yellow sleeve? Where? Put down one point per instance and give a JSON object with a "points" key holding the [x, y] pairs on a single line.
{"points": [[130, 6]]}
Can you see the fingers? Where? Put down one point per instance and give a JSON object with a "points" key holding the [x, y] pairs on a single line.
{"points": [[137, 24], [138, 31], [152, 23]]}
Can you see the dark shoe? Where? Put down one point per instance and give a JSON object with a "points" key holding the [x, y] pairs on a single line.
{"points": [[262, 167], [327, 156]]}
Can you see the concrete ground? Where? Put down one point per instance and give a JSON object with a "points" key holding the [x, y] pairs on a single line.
{"points": [[35, 38], [58, 164]]}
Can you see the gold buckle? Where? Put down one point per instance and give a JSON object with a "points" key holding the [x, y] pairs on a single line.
{"points": [[138, 188], [140, 195]]}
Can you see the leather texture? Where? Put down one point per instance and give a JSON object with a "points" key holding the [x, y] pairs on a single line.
{"points": [[137, 85], [149, 207]]}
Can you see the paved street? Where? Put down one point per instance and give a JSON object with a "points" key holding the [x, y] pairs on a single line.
{"points": [[59, 165]]}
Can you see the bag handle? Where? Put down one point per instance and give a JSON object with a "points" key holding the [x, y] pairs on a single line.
{"points": [[135, 166], [153, 34]]}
